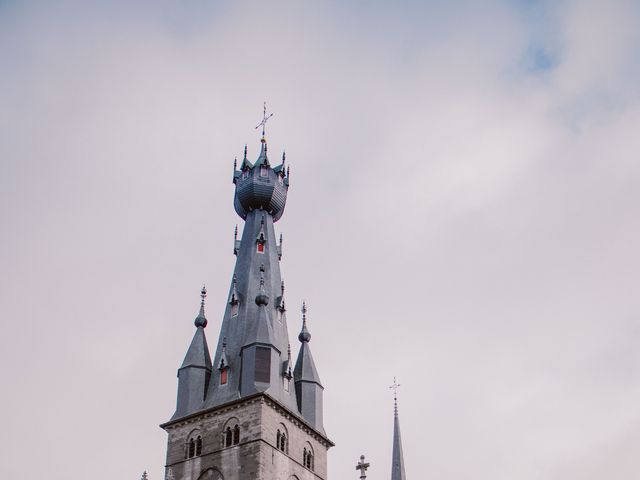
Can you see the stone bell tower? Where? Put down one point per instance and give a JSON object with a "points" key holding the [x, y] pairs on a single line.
{"points": [[250, 413]]}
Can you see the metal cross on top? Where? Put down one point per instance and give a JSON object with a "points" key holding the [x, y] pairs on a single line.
{"points": [[265, 117], [362, 466]]}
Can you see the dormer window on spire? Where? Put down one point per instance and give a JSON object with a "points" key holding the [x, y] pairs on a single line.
{"points": [[264, 171]]}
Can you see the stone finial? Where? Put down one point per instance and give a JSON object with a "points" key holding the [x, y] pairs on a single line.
{"points": [[262, 299], [304, 336], [201, 320]]}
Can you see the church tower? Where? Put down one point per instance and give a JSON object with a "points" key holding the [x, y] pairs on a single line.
{"points": [[249, 413]]}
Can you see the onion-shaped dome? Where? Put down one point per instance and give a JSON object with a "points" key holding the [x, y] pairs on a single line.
{"points": [[259, 186]]}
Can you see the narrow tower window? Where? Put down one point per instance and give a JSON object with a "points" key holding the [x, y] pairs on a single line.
{"points": [[260, 247], [199, 446], [224, 376], [307, 457], [263, 364], [236, 435], [228, 440], [192, 448]]}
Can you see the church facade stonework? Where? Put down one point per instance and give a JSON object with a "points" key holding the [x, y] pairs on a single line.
{"points": [[250, 412]]}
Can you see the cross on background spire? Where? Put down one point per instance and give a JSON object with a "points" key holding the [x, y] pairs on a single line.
{"points": [[362, 466], [394, 387], [265, 117]]}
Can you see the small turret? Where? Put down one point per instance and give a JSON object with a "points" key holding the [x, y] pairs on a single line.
{"points": [[195, 372], [309, 390]]}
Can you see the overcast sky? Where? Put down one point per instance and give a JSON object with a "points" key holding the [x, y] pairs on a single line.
{"points": [[464, 214]]}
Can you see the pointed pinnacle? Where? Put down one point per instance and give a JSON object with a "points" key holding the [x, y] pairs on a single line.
{"points": [[201, 320], [245, 152], [304, 336]]}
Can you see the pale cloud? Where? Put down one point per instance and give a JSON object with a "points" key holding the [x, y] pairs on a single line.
{"points": [[463, 212]]}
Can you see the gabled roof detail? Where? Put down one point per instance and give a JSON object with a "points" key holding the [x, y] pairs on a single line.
{"points": [[223, 363], [246, 164], [286, 367], [262, 158]]}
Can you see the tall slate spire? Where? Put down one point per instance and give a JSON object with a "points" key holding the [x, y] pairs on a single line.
{"points": [[254, 322], [195, 372], [397, 459]]}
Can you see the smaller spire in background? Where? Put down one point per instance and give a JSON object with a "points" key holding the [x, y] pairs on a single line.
{"points": [[397, 456]]}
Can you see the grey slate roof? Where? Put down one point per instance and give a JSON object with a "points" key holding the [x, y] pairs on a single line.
{"points": [[198, 352], [305, 369], [254, 316]]}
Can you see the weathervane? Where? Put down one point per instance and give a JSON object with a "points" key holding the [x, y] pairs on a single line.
{"points": [[265, 117]]}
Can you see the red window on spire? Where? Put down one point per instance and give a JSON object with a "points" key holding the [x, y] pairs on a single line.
{"points": [[260, 247], [223, 376]]}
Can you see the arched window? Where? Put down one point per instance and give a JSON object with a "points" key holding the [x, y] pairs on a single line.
{"points": [[193, 444], [231, 432], [307, 457], [282, 441]]}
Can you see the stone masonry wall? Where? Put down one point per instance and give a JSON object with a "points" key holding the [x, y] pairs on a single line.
{"points": [[256, 457]]}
